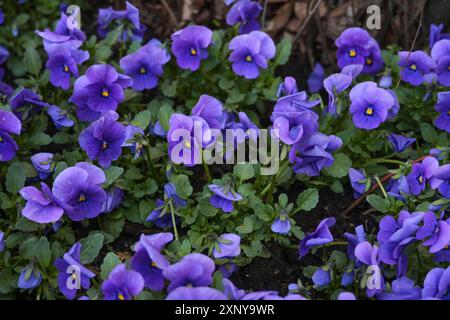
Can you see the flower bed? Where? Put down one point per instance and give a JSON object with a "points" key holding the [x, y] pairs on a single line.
{"points": [[185, 168]]}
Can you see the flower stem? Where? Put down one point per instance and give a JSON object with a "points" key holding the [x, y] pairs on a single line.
{"points": [[208, 173], [174, 222], [381, 187]]}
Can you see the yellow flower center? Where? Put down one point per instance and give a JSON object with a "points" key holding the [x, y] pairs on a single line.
{"points": [[74, 276], [413, 67], [448, 68], [352, 53], [1, 139], [448, 113], [120, 296], [82, 198], [369, 111], [420, 179], [187, 144], [193, 52], [105, 93], [142, 70], [66, 68], [248, 58], [105, 145], [153, 264], [369, 61]]}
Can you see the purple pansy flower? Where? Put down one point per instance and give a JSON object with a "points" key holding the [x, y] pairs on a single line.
{"points": [[193, 270], [189, 46], [9, 124], [355, 45], [335, 85], [443, 107], [30, 277], [149, 261], [63, 61], [198, 293], [160, 216], [2, 241], [354, 240], [399, 142], [43, 163], [145, 65], [414, 66], [436, 34], [369, 105], [281, 224], [320, 236], [402, 289], [122, 284], [187, 134], [62, 33], [368, 255], [441, 56], [358, 180], [41, 206], [223, 197], [374, 61], [114, 198], [442, 174], [78, 190], [71, 273], [287, 88], [385, 81], [420, 174], [434, 232], [59, 117], [2, 17], [316, 78], [103, 139], [314, 153], [251, 52], [210, 109], [292, 118], [437, 284], [98, 91], [346, 296], [322, 277], [227, 246], [245, 12]]}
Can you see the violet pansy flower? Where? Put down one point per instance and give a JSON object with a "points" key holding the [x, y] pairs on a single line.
{"points": [[402, 289], [103, 139], [442, 174], [227, 246], [71, 273], [399, 142], [250, 53], [193, 270], [314, 153], [415, 66], [437, 284], [287, 87], [434, 232], [369, 105], [59, 117], [43, 164], [443, 107], [281, 224], [441, 56], [9, 124], [198, 293], [360, 183], [161, 216], [315, 78], [335, 85], [422, 173], [320, 236], [79, 190], [30, 277], [149, 261], [2, 241], [114, 198], [189, 45], [41, 206], [101, 89], [436, 34], [145, 65], [223, 197], [245, 12], [122, 284], [210, 109]]}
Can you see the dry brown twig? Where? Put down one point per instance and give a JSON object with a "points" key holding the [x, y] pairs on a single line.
{"points": [[170, 12], [311, 12]]}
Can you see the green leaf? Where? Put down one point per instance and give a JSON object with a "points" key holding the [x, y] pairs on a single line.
{"points": [[103, 53], [340, 167], [244, 171], [142, 119], [112, 174], [40, 139], [246, 227], [90, 247], [38, 249], [164, 114], [308, 199], [429, 133], [183, 186], [283, 200], [284, 49], [15, 178], [378, 202], [32, 61], [169, 89], [109, 262]]}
